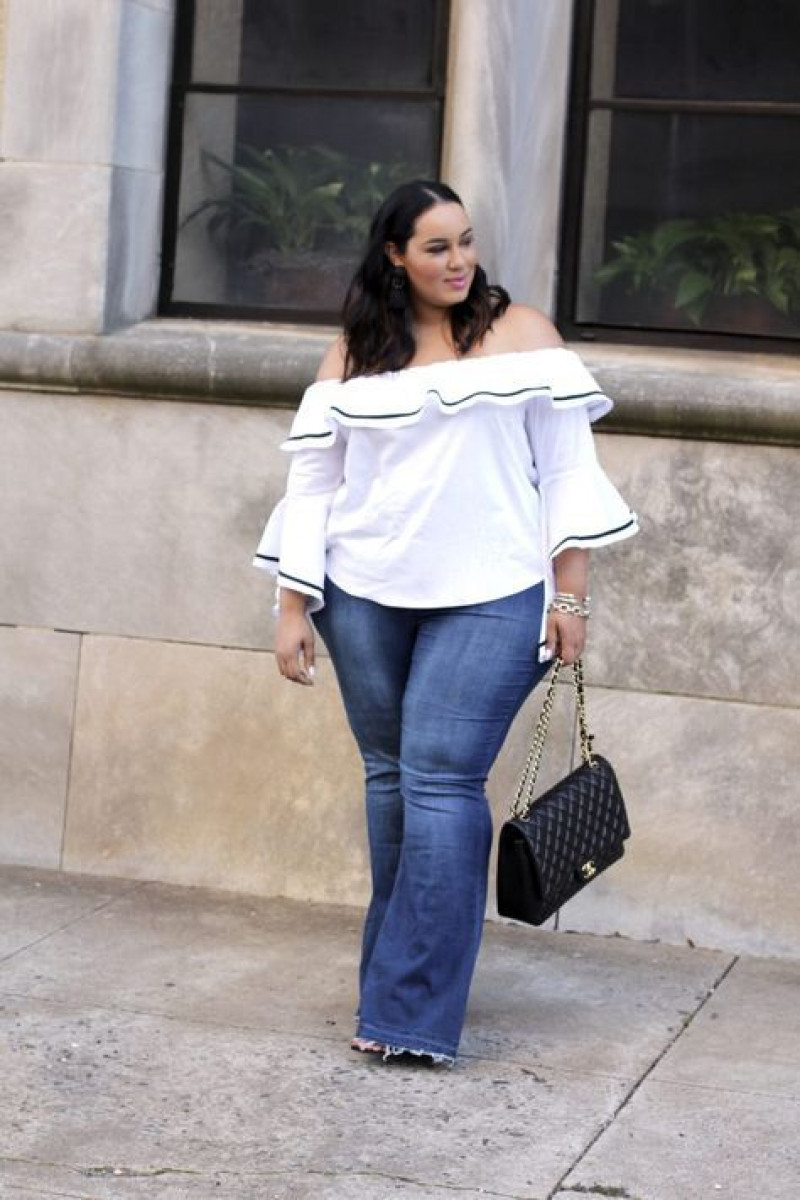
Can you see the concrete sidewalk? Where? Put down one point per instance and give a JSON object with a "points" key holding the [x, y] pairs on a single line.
{"points": [[168, 1042]]}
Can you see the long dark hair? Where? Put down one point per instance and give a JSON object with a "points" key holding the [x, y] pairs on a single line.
{"points": [[379, 337]]}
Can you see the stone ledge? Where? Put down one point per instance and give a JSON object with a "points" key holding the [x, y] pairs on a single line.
{"points": [[715, 395], [177, 360], [708, 394]]}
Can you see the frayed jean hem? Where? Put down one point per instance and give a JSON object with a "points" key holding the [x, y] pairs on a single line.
{"points": [[397, 1043]]}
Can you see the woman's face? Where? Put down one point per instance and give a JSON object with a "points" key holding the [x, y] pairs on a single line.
{"points": [[440, 256]]}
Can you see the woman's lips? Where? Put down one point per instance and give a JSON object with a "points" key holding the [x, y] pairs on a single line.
{"points": [[459, 281]]}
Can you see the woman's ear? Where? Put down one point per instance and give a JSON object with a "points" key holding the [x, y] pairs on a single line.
{"points": [[393, 254]]}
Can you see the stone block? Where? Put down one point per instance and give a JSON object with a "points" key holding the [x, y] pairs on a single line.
{"points": [[134, 250], [3, 40], [30, 358], [201, 765], [61, 82], [144, 518], [38, 676], [711, 789], [198, 765], [142, 98], [703, 602], [53, 231]]}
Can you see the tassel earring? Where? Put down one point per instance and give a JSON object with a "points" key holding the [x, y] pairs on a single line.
{"points": [[398, 291]]}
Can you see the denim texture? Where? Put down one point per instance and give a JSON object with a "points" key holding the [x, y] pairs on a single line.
{"points": [[430, 695]]}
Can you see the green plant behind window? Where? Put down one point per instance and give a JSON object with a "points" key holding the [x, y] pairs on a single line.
{"points": [[694, 260], [297, 199]]}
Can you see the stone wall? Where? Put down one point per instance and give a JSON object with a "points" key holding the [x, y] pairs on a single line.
{"points": [[81, 171], [145, 731], [3, 28]]}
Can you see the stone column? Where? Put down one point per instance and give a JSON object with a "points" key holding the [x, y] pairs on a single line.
{"points": [[3, 25], [504, 133], [82, 147]]}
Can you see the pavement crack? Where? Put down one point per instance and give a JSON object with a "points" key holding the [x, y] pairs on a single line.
{"points": [[687, 1022], [89, 912], [117, 1171], [601, 1189], [134, 1172]]}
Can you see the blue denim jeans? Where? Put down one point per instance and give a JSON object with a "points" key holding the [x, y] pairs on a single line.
{"points": [[430, 695]]}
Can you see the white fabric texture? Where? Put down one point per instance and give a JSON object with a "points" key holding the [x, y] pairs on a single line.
{"points": [[447, 484]]}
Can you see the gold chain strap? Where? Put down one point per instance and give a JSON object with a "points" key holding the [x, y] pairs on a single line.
{"points": [[521, 804]]}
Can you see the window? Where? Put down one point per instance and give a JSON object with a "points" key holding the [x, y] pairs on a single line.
{"points": [[291, 120], [682, 208]]}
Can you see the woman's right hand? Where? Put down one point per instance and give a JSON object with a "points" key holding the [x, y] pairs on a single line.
{"points": [[294, 640]]}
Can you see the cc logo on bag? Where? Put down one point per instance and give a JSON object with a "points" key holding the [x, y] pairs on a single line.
{"points": [[588, 870]]}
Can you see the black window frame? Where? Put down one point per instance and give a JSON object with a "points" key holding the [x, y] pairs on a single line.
{"points": [[183, 86], [581, 106]]}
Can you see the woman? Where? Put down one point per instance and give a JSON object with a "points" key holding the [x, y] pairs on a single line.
{"points": [[443, 493]]}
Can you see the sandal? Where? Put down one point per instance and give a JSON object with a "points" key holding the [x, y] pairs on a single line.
{"points": [[367, 1046]]}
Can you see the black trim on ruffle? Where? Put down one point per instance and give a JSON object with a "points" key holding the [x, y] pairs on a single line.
{"points": [[517, 392], [415, 412]]}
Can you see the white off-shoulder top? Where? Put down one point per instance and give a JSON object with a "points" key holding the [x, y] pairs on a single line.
{"points": [[446, 484]]}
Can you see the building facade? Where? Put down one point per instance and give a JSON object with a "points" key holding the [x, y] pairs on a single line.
{"points": [[155, 338]]}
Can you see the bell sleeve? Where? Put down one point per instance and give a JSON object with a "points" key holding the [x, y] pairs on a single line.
{"points": [[293, 544], [580, 505]]}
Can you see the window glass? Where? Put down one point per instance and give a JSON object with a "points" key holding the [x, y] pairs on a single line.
{"points": [[307, 43], [708, 49], [292, 121], [700, 227], [276, 193], [686, 215]]}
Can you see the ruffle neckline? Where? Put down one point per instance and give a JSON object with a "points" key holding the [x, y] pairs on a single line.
{"points": [[394, 399]]}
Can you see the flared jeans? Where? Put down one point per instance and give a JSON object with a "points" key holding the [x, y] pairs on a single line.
{"points": [[430, 695]]}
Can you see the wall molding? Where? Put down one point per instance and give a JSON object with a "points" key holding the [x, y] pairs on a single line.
{"points": [[696, 394]]}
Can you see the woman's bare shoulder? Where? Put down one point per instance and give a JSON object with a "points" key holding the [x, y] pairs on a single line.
{"points": [[332, 365], [524, 328]]}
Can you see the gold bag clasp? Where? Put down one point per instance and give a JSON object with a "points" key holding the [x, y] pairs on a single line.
{"points": [[588, 870]]}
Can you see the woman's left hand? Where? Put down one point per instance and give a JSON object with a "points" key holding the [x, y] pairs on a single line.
{"points": [[566, 636]]}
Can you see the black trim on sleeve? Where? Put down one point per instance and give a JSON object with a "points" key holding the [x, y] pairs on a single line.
{"points": [[305, 582], [267, 557], [301, 437], [592, 537]]}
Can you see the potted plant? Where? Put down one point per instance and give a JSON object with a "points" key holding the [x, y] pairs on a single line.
{"points": [[293, 219], [737, 271]]}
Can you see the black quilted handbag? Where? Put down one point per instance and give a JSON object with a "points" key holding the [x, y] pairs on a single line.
{"points": [[552, 847]]}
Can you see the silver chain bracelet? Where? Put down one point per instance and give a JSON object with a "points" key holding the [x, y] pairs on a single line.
{"points": [[565, 602]]}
